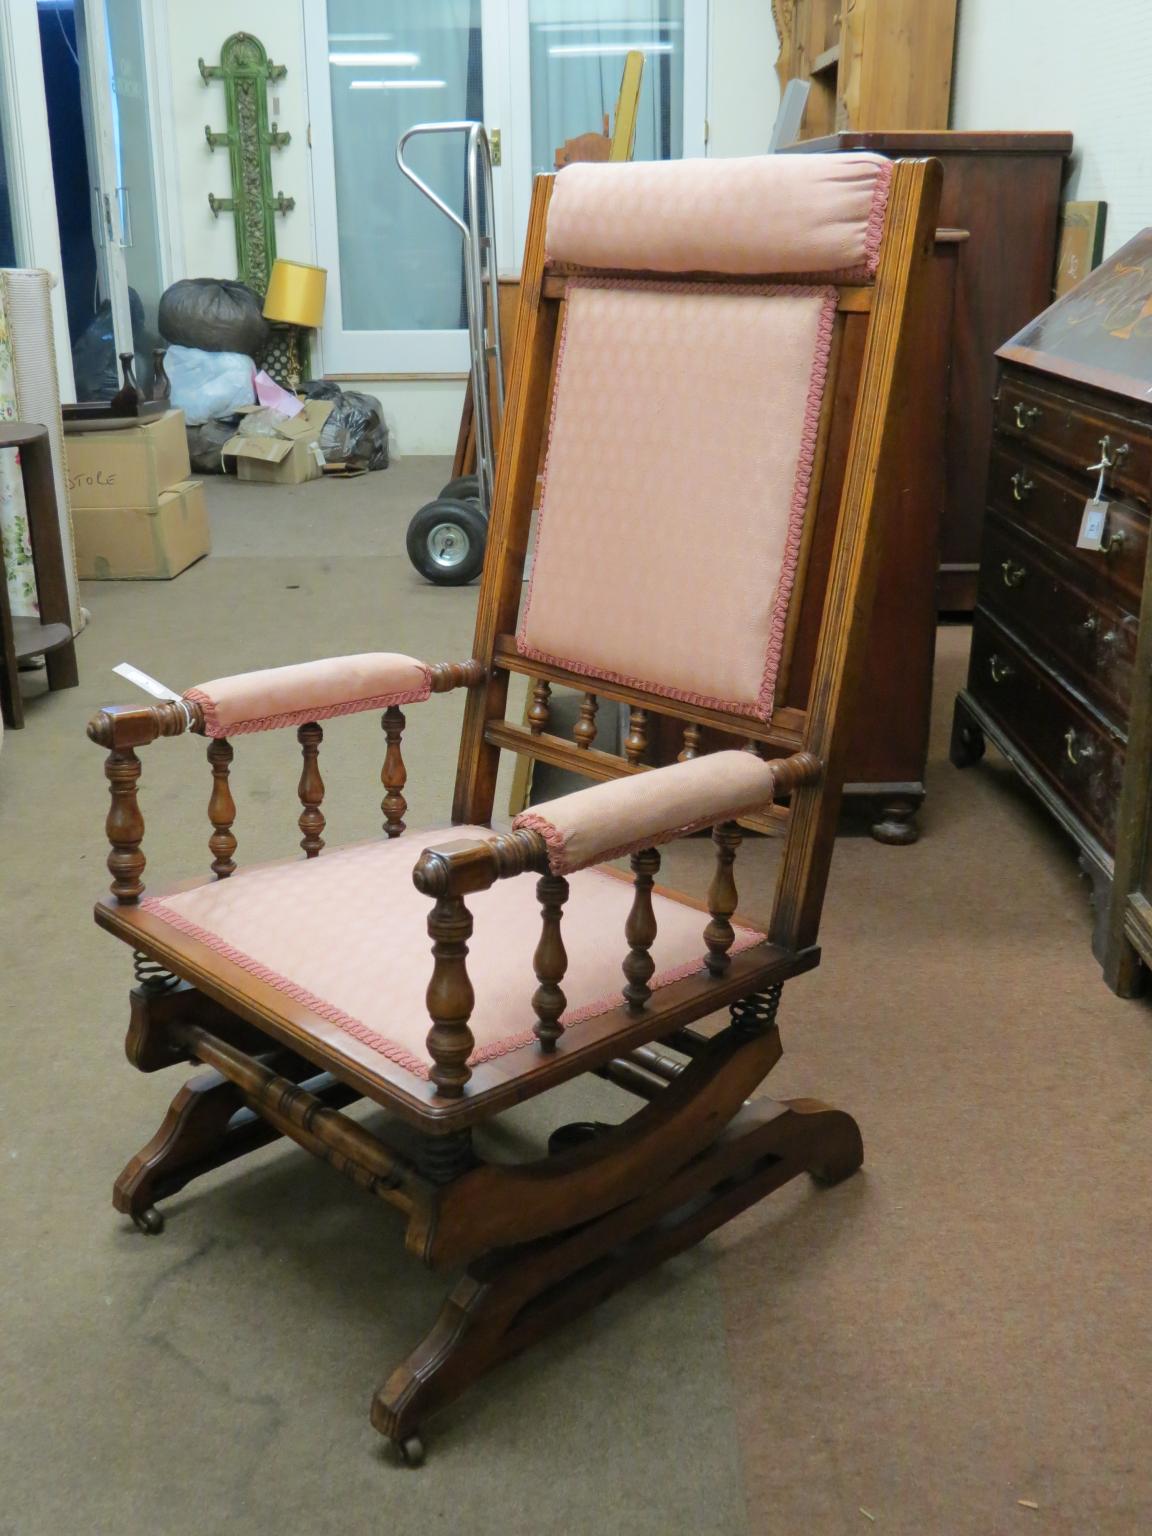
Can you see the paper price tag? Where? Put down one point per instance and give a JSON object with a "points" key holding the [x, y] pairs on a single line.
{"points": [[142, 680], [1092, 524]]}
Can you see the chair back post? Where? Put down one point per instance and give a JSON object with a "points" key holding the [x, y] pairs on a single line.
{"points": [[521, 447], [899, 309]]}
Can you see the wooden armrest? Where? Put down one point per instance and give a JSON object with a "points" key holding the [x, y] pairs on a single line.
{"points": [[310, 691], [301, 696], [120, 726], [629, 814], [566, 835]]}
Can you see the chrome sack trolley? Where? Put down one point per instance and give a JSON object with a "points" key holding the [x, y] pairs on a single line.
{"points": [[446, 538]]}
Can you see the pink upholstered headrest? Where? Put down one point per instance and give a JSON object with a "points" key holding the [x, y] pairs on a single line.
{"points": [[770, 214]]}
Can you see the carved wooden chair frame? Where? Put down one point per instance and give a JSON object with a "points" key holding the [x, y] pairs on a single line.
{"points": [[542, 1240]]}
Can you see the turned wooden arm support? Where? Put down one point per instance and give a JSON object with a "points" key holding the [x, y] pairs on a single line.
{"points": [[644, 810], [258, 701], [622, 816]]}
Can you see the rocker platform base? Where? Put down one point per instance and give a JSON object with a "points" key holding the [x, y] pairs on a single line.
{"points": [[507, 1300]]}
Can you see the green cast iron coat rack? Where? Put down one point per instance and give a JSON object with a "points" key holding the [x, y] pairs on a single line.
{"points": [[246, 71]]}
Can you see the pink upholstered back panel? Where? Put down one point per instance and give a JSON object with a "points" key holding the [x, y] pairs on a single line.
{"points": [[680, 455], [770, 214]]}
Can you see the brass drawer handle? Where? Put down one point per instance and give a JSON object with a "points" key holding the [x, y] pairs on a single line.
{"points": [[1013, 574], [1025, 415], [1022, 487], [1089, 624], [1106, 463], [1000, 670], [1116, 541], [1085, 752]]}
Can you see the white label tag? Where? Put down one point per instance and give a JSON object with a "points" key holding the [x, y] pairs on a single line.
{"points": [[1092, 524], [142, 680]]}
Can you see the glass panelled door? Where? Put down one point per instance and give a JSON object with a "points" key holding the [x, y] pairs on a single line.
{"points": [[376, 68], [567, 58], [576, 54], [539, 71], [120, 144]]}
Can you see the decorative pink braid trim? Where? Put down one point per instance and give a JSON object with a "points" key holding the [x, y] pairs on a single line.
{"points": [[800, 488], [559, 864], [212, 726], [529, 821], [874, 233], [390, 1049], [762, 707]]}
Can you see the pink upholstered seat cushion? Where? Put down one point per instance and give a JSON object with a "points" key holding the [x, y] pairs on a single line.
{"points": [[624, 815], [345, 935], [311, 690], [681, 447], [771, 214]]}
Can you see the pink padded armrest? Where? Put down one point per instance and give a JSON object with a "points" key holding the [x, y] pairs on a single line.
{"points": [[625, 815], [312, 690], [767, 214]]}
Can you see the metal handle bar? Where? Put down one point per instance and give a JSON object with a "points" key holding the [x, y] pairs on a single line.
{"points": [[477, 274], [473, 130]]}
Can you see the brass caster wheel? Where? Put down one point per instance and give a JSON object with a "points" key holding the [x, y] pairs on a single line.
{"points": [[150, 1221], [411, 1451]]}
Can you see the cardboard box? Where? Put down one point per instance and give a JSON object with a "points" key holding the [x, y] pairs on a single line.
{"points": [[290, 457], [132, 468], [143, 543]]}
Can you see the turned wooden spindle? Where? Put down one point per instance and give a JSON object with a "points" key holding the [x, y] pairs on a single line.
{"points": [[393, 775], [691, 746], [446, 675], [584, 731], [450, 997], [221, 809], [550, 962], [311, 790], [636, 742], [540, 709], [640, 930], [124, 825], [719, 934]]}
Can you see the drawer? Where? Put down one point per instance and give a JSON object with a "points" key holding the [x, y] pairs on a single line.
{"points": [[1081, 761], [1069, 432], [1090, 640], [1050, 505]]}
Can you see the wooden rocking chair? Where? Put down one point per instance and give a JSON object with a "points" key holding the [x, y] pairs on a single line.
{"points": [[716, 354]]}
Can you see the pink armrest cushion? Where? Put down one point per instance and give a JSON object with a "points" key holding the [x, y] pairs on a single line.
{"points": [[764, 214], [625, 815], [311, 690]]}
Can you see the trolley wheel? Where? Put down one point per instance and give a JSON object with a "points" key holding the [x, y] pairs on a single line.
{"points": [[463, 488], [446, 541]]}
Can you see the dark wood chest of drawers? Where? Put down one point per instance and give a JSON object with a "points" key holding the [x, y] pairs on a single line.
{"points": [[1054, 670]]}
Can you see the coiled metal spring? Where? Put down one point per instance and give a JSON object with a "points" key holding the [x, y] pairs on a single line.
{"points": [[151, 975]]}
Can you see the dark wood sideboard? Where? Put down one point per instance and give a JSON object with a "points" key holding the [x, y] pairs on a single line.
{"points": [[1054, 678], [1004, 189]]}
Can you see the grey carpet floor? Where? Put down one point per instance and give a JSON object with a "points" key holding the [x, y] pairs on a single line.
{"points": [[966, 1324]]}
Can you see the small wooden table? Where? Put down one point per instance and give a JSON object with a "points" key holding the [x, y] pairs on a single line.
{"points": [[50, 635]]}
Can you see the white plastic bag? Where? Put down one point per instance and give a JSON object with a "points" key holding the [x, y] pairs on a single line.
{"points": [[208, 384]]}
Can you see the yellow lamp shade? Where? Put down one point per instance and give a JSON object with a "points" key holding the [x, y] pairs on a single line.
{"points": [[296, 294]]}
